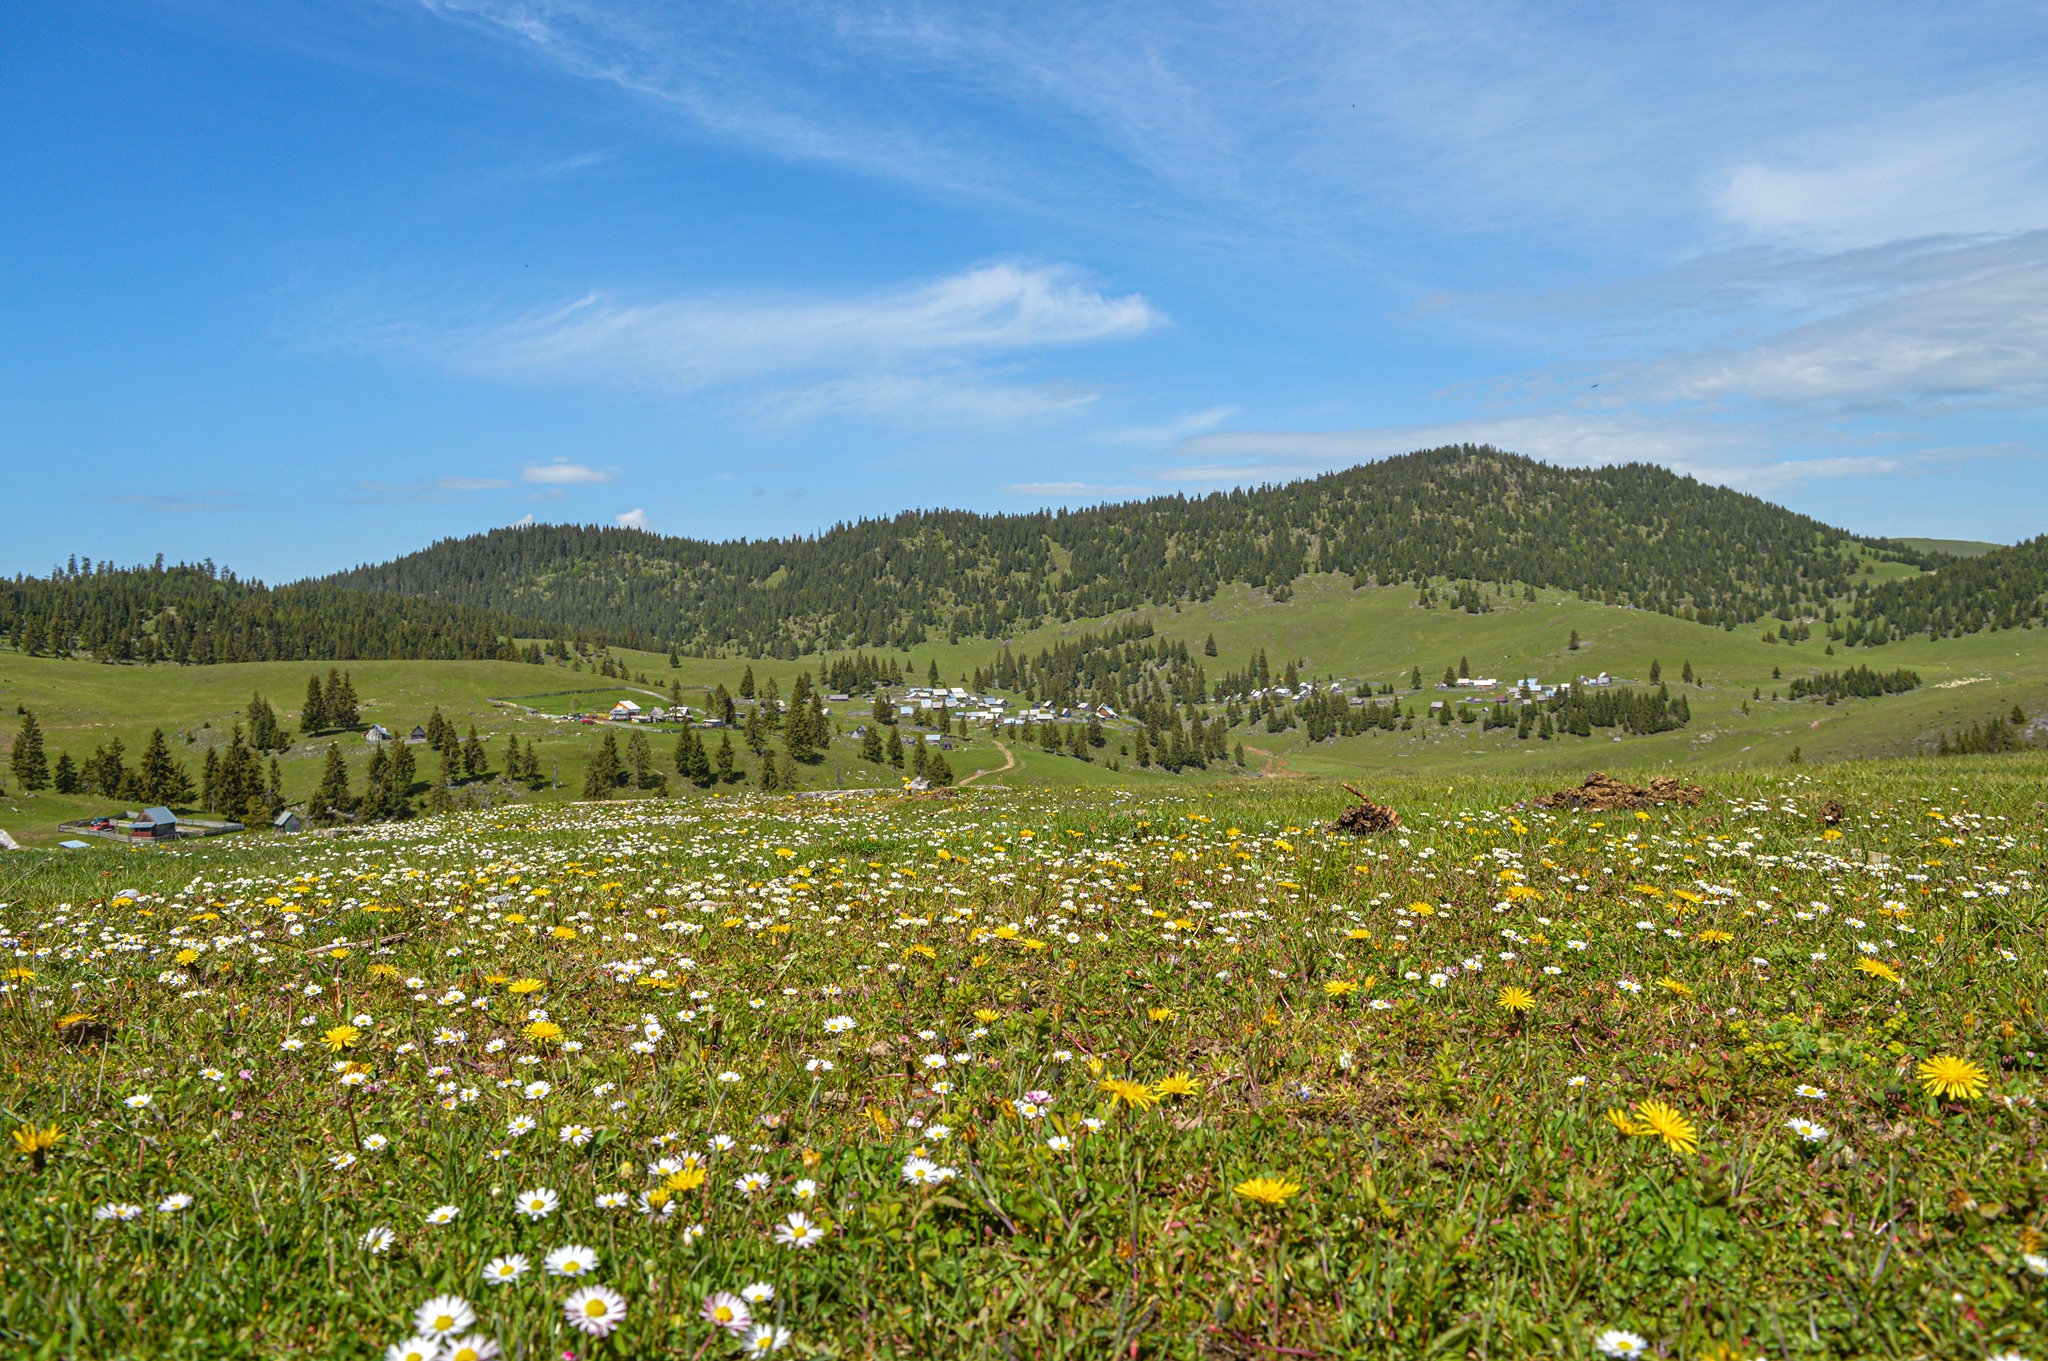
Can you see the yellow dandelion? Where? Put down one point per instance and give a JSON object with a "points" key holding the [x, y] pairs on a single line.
{"points": [[987, 1016], [519, 987], [1622, 1121], [1275, 1191], [338, 1038], [1672, 985], [1122, 1091], [688, 1179], [185, 956], [543, 1032], [1655, 1119], [1877, 968], [1340, 987], [1713, 936], [563, 933], [1953, 1078], [1178, 1084], [1516, 1000], [34, 1142], [1159, 1013]]}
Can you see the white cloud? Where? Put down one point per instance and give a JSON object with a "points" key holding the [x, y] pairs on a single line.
{"points": [[1177, 429], [563, 473], [470, 483], [525, 521], [1972, 164], [962, 347], [635, 518], [691, 342], [1974, 333]]}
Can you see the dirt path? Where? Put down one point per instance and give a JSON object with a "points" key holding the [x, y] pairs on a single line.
{"points": [[1275, 767], [1009, 763]]}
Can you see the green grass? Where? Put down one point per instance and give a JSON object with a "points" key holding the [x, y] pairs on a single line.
{"points": [[1460, 1192], [1962, 548], [1331, 629]]}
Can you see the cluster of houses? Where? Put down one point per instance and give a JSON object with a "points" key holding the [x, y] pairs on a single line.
{"points": [[1528, 690]]}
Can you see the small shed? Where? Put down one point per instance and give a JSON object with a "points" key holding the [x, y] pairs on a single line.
{"points": [[288, 821], [416, 737], [155, 824], [377, 733]]}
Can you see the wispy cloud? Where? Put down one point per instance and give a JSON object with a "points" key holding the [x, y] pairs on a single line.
{"points": [[563, 473], [956, 347], [636, 518], [471, 483]]}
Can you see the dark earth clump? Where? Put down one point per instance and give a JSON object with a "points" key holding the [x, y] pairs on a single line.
{"points": [[1831, 813], [1365, 817], [1602, 793]]}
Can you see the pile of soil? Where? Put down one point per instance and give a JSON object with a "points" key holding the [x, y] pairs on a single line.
{"points": [[1602, 793], [1832, 813], [1366, 817]]}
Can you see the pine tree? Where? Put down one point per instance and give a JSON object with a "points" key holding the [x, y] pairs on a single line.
{"points": [[341, 708], [476, 762], [755, 734], [895, 745], [264, 732], [641, 761], [65, 777], [871, 743], [31, 767], [1573, 646], [938, 772], [932, 676], [331, 801], [604, 772], [1686, 674], [159, 778], [724, 765], [1415, 678], [747, 684], [313, 713]]}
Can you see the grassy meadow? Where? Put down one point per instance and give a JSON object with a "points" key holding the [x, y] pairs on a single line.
{"points": [[1331, 630], [1163, 1072]]}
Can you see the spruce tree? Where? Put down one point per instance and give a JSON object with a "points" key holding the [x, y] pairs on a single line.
{"points": [[476, 762], [604, 772], [724, 765], [747, 684], [313, 713], [159, 778], [938, 772], [65, 777], [31, 766], [871, 744], [342, 709], [331, 800]]}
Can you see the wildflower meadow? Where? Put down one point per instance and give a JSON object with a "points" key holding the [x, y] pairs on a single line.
{"points": [[1032, 1076]]}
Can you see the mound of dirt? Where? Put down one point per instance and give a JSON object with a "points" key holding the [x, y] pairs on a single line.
{"points": [[1365, 817], [1602, 793], [1832, 813]]}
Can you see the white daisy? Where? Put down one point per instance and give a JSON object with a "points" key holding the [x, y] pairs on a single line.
{"points": [[443, 1315], [506, 1270], [595, 1310], [536, 1204], [571, 1261]]}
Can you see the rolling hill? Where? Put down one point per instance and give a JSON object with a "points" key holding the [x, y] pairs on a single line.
{"points": [[1636, 535]]}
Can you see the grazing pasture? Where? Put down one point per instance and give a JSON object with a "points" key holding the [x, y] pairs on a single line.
{"points": [[1046, 1074]]}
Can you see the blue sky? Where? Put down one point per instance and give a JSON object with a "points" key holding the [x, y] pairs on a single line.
{"points": [[295, 286]]}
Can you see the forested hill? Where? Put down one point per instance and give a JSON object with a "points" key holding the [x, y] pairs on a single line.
{"points": [[198, 614], [1635, 535]]}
